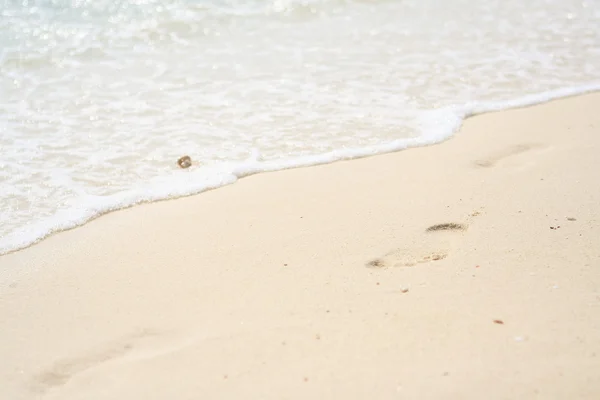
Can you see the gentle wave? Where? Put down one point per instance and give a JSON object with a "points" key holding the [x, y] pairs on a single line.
{"points": [[439, 125]]}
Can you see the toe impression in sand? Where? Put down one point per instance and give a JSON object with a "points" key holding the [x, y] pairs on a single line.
{"points": [[450, 226]]}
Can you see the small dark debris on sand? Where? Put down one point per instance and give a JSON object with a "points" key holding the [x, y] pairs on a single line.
{"points": [[376, 263], [571, 219], [499, 322], [450, 226], [184, 162]]}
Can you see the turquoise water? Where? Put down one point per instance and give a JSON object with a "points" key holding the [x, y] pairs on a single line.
{"points": [[98, 99]]}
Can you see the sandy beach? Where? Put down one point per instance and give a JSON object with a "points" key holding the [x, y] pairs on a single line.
{"points": [[464, 270]]}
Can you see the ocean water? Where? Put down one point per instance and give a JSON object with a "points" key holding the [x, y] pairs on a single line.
{"points": [[99, 98]]}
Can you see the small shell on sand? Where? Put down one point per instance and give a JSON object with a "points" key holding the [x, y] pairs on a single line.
{"points": [[184, 162]]}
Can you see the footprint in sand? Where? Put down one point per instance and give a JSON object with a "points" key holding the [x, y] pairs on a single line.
{"points": [[432, 245], [61, 372], [510, 155]]}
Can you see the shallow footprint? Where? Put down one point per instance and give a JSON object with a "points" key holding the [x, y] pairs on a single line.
{"points": [[511, 153], [407, 257], [61, 372], [432, 245]]}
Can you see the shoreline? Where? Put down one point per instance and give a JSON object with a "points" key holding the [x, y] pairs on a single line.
{"points": [[328, 281], [253, 167]]}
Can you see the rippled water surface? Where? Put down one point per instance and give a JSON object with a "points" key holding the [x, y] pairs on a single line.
{"points": [[98, 98]]}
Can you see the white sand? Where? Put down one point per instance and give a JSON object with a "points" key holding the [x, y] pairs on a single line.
{"points": [[261, 289]]}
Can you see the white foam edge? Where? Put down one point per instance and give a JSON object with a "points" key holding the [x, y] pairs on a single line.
{"points": [[436, 126]]}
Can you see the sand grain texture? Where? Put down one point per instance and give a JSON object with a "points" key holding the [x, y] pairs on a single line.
{"points": [[265, 289]]}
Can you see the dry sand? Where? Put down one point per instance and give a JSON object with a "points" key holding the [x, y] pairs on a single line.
{"points": [[325, 282]]}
